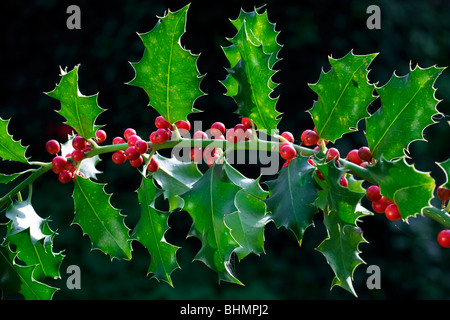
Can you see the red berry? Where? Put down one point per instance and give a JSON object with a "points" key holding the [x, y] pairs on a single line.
{"points": [[443, 193], [240, 132], [101, 135], [373, 193], [199, 135], [210, 155], [132, 139], [246, 122], [231, 136], [287, 151], [65, 176], [288, 136], [311, 162], [386, 200], [118, 140], [196, 154], [79, 143], [59, 162], [343, 181], [309, 137], [183, 126], [217, 129], [162, 123], [77, 155], [444, 238], [159, 136], [128, 133], [332, 153], [119, 157], [52, 146], [379, 206], [136, 163], [392, 212], [352, 156], [153, 165], [141, 146], [131, 153], [364, 154]]}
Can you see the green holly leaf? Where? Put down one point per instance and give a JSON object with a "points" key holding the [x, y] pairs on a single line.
{"points": [[247, 224], [340, 249], [445, 166], [292, 197], [167, 72], [175, 178], [7, 178], [150, 232], [343, 96], [401, 182], [407, 106], [103, 223], [80, 111], [263, 32], [253, 75], [16, 278], [207, 202], [9, 148]]}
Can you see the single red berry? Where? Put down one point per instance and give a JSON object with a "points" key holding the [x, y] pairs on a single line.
{"points": [[211, 160], [52, 146], [101, 135], [131, 153], [332, 153], [141, 146], [286, 163], [246, 122], [217, 129], [118, 140], [373, 193], [443, 193], [136, 163], [311, 162], [199, 135], [59, 162], [240, 132], [379, 206], [444, 238], [159, 136], [162, 123], [183, 126], [392, 212], [210, 155], [153, 165], [132, 139], [343, 181], [196, 154], [364, 154], [288, 136], [119, 157], [128, 133], [309, 137], [231, 136], [77, 155], [65, 176], [353, 156], [79, 143], [287, 151]]}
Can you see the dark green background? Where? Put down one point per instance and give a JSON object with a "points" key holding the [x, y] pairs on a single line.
{"points": [[36, 42]]}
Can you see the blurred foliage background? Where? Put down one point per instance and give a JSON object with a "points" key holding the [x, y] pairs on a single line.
{"points": [[36, 43]]}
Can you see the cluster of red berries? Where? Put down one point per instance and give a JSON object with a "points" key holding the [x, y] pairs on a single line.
{"points": [[381, 204], [240, 132], [66, 166]]}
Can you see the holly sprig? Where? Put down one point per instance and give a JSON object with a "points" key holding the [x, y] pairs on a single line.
{"points": [[229, 211]]}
